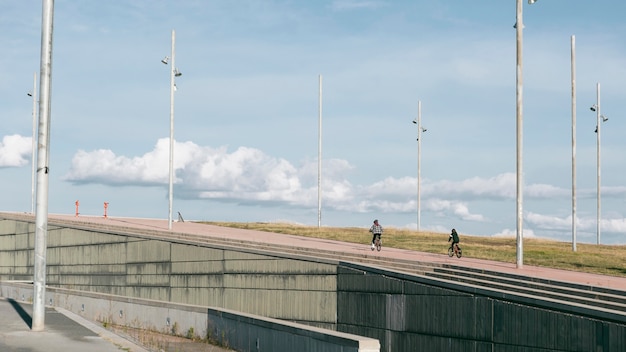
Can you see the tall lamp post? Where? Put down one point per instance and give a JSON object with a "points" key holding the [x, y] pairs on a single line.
{"points": [[173, 74], [599, 120], [519, 27], [34, 143], [420, 129], [319, 157], [573, 69]]}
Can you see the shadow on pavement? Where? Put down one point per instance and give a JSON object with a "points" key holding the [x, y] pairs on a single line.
{"points": [[25, 316]]}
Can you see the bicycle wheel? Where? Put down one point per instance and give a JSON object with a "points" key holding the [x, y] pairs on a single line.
{"points": [[379, 244], [450, 252], [459, 252]]}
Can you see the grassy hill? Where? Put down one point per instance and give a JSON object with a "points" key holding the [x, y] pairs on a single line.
{"points": [[590, 258]]}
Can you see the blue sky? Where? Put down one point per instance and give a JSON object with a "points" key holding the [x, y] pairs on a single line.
{"points": [[246, 112]]}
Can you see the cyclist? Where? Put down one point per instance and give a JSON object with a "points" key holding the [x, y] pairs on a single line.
{"points": [[454, 237], [376, 230]]}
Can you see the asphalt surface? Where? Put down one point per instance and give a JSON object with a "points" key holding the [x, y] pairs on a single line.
{"points": [[63, 331]]}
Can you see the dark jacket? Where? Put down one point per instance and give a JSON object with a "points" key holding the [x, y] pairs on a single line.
{"points": [[454, 237]]}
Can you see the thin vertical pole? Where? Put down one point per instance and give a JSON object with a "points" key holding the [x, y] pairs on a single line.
{"points": [[519, 127], [573, 143], [171, 164], [598, 191], [41, 216], [33, 146], [319, 157], [419, 159]]}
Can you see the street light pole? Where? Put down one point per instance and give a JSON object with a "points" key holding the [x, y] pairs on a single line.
{"points": [[171, 165], [519, 27], [319, 157], [33, 144], [420, 129], [599, 120], [173, 74], [518, 118], [573, 68]]}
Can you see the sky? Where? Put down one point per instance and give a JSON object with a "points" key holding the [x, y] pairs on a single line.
{"points": [[247, 112]]}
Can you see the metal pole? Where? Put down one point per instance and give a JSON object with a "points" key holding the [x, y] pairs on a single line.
{"points": [[599, 122], [41, 216], [34, 145], [573, 143], [419, 159], [519, 122], [171, 165], [319, 157]]}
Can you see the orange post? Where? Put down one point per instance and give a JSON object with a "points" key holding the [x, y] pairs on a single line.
{"points": [[77, 208], [106, 205]]}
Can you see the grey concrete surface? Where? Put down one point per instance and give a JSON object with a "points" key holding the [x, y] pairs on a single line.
{"points": [[64, 331]]}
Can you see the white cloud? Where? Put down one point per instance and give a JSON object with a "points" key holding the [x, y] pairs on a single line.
{"points": [[459, 209], [15, 151]]}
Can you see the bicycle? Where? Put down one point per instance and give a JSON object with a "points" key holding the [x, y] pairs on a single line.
{"points": [[451, 251], [378, 242]]}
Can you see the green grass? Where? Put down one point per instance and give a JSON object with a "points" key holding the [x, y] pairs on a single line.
{"points": [[589, 258]]}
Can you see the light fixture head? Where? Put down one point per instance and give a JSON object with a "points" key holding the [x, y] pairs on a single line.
{"points": [[415, 122], [177, 73], [594, 107], [530, 2], [424, 130], [165, 60], [29, 94], [604, 118]]}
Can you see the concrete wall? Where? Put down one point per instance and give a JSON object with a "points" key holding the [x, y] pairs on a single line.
{"points": [[408, 315], [262, 284], [235, 330]]}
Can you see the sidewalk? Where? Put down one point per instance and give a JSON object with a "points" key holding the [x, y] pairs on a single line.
{"points": [[63, 331]]}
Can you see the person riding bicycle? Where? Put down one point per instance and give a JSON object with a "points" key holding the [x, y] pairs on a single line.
{"points": [[376, 230], [454, 237]]}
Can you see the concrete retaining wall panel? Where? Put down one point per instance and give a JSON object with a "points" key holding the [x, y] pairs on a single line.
{"points": [[110, 253], [360, 281], [445, 314], [188, 253], [7, 260], [236, 256], [79, 255], [289, 305], [282, 282], [104, 269], [148, 280], [550, 333], [7, 243], [148, 292], [196, 280], [147, 251], [7, 227], [24, 258], [269, 265], [24, 241], [138, 269], [207, 267], [197, 296]]}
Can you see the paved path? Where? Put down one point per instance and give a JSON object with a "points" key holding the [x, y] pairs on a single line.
{"points": [[63, 331], [315, 243]]}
